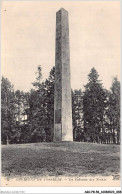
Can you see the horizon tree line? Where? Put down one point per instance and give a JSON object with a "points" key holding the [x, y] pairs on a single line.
{"points": [[28, 117]]}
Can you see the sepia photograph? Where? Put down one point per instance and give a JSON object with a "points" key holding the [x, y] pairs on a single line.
{"points": [[60, 94]]}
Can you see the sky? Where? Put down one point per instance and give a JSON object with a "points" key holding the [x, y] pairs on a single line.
{"points": [[28, 40]]}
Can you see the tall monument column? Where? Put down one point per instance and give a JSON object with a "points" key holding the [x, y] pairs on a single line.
{"points": [[62, 97]]}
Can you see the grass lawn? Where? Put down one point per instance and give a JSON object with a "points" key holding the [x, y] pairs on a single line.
{"points": [[56, 159]]}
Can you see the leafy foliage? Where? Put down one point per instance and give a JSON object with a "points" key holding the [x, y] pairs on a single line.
{"points": [[94, 103], [7, 110], [113, 109], [41, 103], [77, 113], [29, 117]]}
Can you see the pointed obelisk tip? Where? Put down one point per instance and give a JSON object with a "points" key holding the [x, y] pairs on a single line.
{"points": [[62, 10]]}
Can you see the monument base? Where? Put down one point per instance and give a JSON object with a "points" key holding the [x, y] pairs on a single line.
{"points": [[57, 133], [59, 136]]}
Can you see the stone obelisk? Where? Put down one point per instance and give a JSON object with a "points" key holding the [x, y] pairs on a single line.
{"points": [[62, 96]]}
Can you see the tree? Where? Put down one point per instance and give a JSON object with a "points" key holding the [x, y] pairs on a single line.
{"points": [[37, 109], [41, 107], [7, 110], [22, 132], [113, 110], [37, 83], [94, 103], [77, 114], [49, 105]]}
